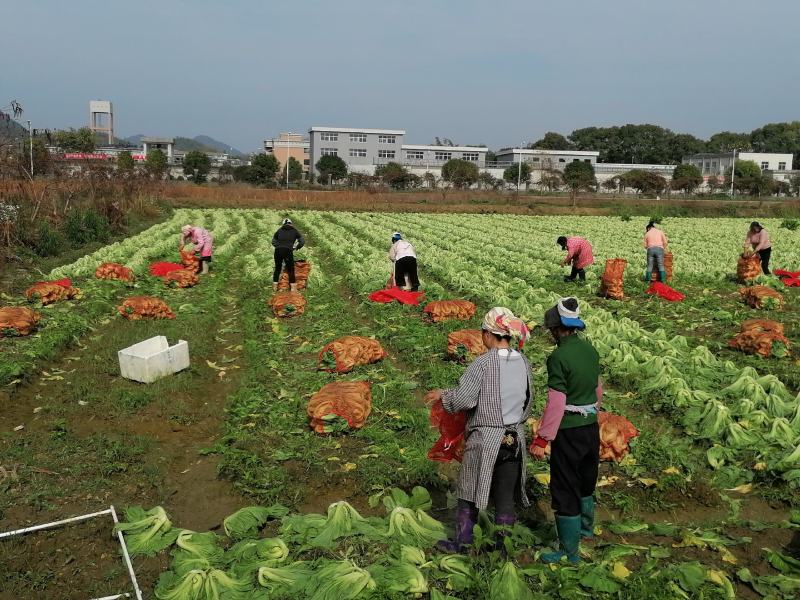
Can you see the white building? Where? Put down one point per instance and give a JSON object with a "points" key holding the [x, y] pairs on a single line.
{"points": [[719, 163], [544, 159]]}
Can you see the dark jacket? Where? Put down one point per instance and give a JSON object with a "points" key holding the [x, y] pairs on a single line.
{"points": [[286, 237]]}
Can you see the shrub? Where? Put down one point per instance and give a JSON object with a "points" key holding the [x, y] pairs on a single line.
{"points": [[48, 241], [790, 224], [84, 226]]}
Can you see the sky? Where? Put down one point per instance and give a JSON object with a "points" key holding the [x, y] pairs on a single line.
{"points": [[497, 73]]}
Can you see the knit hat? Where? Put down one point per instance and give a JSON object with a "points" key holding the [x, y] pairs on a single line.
{"points": [[396, 236], [566, 312], [501, 321], [287, 221]]}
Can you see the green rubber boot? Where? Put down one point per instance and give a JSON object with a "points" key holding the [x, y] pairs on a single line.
{"points": [[647, 276], [587, 517], [569, 536], [663, 276]]}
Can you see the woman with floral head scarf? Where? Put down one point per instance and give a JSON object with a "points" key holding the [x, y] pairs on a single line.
{"points": [[495, 392]]}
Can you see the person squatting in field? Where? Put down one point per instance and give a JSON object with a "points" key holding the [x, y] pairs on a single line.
{"points": [[757, 240], [569, 425], [579, 254], [404, 263], [203, 243], [495, 392], [656, 244], [285, 241]]}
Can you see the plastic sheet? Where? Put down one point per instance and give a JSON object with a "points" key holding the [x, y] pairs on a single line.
{"points": [[662, 290], [393, 294], [452, 428]]}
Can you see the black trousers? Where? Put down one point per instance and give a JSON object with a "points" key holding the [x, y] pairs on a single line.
{"points": [[505, 480], [574, 464], [765, 255], [406, 266], [577, 273], [283, 256]]}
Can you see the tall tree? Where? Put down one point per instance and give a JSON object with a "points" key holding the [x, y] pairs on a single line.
{"points": [[727, 141], [552, 141], [460, 173], [778, 137], [196, 166], [579, 176], [644, 182], [72, 140], [331, 168], [396, 176], [518, 173], [295, 170], [156, 163], [686, 177], [263, 168]]}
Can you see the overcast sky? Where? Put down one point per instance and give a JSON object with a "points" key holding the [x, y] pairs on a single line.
{"points": [[497, 73]]}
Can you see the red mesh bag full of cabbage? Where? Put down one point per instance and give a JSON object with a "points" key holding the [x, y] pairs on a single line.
{"points": [[450, 445]]}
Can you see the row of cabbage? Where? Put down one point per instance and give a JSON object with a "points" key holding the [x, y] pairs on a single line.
{"points": [[755, 417]]}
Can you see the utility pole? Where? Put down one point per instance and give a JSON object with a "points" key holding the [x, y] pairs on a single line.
{"points": [[733, 170], [519, 169], [30, 144], [287, 159]]}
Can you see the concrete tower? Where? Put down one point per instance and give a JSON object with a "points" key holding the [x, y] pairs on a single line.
{"points": [[101, 118]]}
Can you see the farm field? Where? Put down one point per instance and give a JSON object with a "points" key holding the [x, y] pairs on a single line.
{"points": [[707, 503]]}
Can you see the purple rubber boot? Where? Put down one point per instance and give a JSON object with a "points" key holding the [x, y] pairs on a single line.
{"points": [[505, 522], [466, 516]]}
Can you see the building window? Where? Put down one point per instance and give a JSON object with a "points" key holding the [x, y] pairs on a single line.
{"points": [[471, 156], [329, 152], [587, 160], [781, 166], [306, 162], [561, 160], [327, 136], [714, 166], [305, 150], [764, 165], [387, 139], [358, 137], [415, 155], [443, 155], [385, 153], [358, 152], [576, 160]]}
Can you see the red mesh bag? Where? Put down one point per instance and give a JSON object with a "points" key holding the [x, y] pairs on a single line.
{"points": [[662, 290], [113, 271], [159, 269], [47, 292], [287, 304], [17, 320], [62, 282], [145, 307], [761, 297], [788, 278], [395, 293], [611, 283], [748, 267], [302, 269], [339, 406], [452, 428], [465, 344], [445, 310], [190, 260], [615, 435], [761, 337], [183, 278], [345, 353], [667, 268]]}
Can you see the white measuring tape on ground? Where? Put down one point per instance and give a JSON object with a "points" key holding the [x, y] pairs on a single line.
{"points": [[109, 511]]}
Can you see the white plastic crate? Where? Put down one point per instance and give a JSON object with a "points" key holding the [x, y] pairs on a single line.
{"points": [[153, 359]]}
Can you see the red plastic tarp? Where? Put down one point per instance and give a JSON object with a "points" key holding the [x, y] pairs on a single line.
{"points": [[159, 269], [788, 278], [664, 291], [395, 293], [450, 445], [65, 283]]}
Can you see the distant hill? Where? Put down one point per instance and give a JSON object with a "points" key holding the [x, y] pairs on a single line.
{"points": [[201, 143], [12, 129]]}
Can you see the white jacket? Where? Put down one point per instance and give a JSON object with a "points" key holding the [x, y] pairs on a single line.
{"points": [[401, 249]]}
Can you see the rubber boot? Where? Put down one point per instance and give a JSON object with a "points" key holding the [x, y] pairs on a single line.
{"points": [[663, 276], [587, 517], [466, 517], [569, 535], [274, 286], [648, 275], [205, 267], [505, 522], [293, 287]]}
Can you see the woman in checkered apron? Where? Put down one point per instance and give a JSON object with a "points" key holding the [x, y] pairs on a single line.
{"points": [[495, 392]]}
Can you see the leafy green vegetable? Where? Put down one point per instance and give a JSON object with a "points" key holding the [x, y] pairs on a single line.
{"points": [[419, 499], [147, 532], [246, 522], [211, 584], [783, 563], [281, 580], [343, 520], [399, 576], [690, 576], [248, 556], [508, 584], [340, 580], [629, 526], [196, 551], [459, 573], [599, 578], [414, 527]]}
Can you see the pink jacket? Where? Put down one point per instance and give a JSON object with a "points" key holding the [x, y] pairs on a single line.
{"points": [[579, 252], [759, 241]]}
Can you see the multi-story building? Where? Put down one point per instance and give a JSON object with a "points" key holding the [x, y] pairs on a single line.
{"points": [[361, 149], [720, 163], [544, 159], [436, 156], [292, 145]]}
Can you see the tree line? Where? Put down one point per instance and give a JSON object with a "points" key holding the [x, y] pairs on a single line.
{"points": [[652, 144]]}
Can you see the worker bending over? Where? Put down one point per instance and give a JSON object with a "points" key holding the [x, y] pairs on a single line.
{"points": [[757, 240], [404, 261], [656, 244], [203, 243], [285, 241], [579, 254]]}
